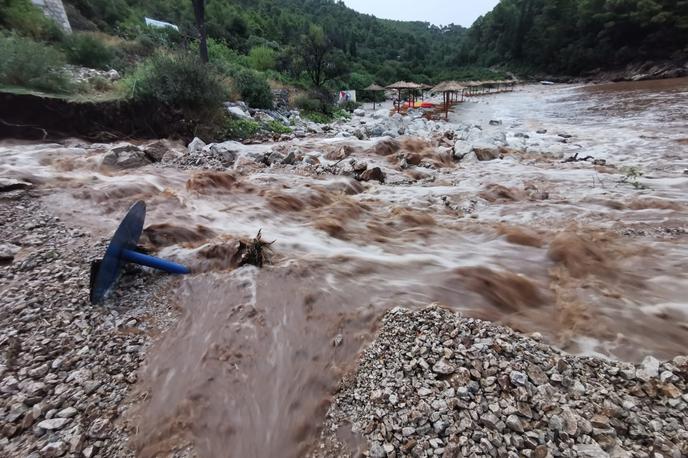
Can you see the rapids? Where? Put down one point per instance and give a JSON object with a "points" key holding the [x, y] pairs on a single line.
{"points": [[592, 257]]}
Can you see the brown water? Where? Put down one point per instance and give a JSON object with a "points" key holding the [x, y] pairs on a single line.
{"points": [[596, 265]]}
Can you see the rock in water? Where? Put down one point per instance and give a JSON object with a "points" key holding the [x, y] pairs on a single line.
{"points": [[196, 146], [10, 184], [373, 174], [125, 156], [486, 154]]}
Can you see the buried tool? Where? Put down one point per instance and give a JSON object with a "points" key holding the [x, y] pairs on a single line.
{"points": [[122, 249]]}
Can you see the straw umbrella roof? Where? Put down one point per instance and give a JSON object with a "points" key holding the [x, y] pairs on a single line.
{"points": [[403, 85], [425, 86], [374, 87], [448, 86]]}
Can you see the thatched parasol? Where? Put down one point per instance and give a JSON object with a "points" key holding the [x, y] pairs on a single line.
{"points": [[399, 86], [448, 90], [403, 85], [374, 88]]}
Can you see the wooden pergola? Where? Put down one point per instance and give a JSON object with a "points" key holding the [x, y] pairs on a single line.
{"points": [[450, 90], [402, 85], [374, 88]]}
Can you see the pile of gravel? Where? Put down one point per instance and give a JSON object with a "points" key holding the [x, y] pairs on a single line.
{"points": [[436, 384], [66, 366]]}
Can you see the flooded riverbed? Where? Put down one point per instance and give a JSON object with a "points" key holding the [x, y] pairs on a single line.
{"points": [[592, 255]]}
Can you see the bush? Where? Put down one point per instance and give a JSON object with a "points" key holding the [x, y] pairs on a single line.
{"points": [[253, 88], [278, 127], [87, 50], [223, 55], [180, 81], [26, 63], [24, 18], [319, 118], [305, 103], [262, 58], [350, 106], [341, 114], [316, 101], [240, 129]]}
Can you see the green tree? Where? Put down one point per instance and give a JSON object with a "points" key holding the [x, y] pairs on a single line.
{"points": [[262, 58]]}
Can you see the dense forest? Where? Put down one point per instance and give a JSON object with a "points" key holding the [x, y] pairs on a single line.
{"points": [[573, 36], [369, 48]]}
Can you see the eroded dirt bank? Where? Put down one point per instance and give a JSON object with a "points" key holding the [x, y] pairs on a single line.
{"points": [[483, 214]]}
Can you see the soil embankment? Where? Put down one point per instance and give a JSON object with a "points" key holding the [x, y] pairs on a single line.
{"points": [[36, 117]]}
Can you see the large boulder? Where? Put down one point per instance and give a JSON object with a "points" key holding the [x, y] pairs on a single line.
{"points": [[374, 174], [125, 156], [226, 152], [486, 154], [196, 146], [359, 112]]}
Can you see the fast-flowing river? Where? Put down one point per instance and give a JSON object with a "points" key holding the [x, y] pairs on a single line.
{"points": [[590, 254]]}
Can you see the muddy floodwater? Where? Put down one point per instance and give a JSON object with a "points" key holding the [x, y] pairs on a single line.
{"points": [[590, 254]]}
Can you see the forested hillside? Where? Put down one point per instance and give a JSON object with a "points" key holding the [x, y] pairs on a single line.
{"points": [[572, 36], [369, 48]]}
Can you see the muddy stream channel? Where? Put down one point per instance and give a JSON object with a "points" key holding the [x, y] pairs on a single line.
{"points": [[590, 254]]}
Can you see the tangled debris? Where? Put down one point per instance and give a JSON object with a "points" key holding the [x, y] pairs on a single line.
{"points": [[436, 384], [255, 252]]}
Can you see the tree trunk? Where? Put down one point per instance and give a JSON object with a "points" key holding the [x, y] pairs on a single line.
{"points": [[199, 12]]}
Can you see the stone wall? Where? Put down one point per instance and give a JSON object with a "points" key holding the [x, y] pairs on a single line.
{"points": [[54, 9]]}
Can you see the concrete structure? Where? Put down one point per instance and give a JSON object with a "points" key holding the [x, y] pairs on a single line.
{"points": [[54, 9]]}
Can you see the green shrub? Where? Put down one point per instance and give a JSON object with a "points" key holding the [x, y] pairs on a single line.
{"points": [[278, 127], [87, 50], [100, 84], [316, 103], [341, 114], [319, 118], [262, 58], [180, 81], [240, 129], [350, 106], [24, 18], [26, 63], [221, 54], [307, 104], [253, 88]]}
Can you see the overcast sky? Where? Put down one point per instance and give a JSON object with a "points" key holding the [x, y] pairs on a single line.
{"points": [[439, 12]]}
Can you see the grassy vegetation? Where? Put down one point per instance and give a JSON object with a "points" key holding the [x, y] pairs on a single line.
{"points": [[27, 63]]}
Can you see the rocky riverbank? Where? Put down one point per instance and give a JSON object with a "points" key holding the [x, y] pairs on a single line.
{"points": [[436, 384], [66, 366]]}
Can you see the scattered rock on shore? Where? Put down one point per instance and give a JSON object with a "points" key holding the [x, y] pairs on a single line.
{"points": [[436, 384]]}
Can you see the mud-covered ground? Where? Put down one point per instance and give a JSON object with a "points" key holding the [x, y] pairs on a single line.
{"points": [[556, 210]]}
